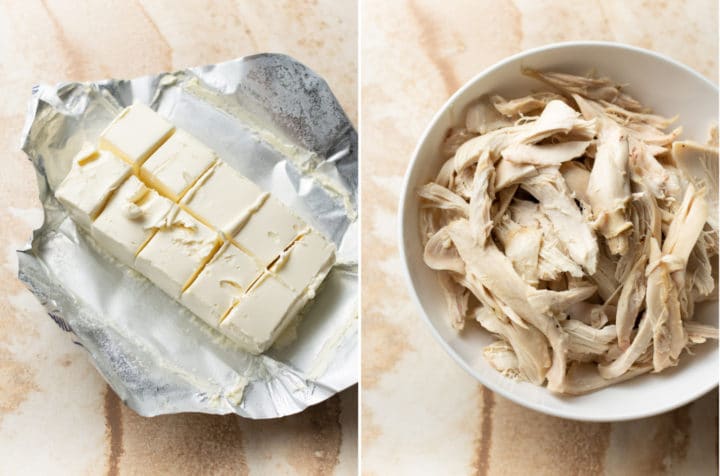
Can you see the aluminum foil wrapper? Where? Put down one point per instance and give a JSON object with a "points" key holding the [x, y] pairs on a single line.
{"points": [[279, 124]]}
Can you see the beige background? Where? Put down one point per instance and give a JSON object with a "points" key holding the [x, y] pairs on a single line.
{"points": [[56, 413], [421, 413]]}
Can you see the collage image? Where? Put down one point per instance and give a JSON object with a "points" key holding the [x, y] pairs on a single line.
{"points": [[359, 237]]}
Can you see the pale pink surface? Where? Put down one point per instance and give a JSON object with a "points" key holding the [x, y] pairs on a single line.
{"points": [[421, 412], [56, 413]]}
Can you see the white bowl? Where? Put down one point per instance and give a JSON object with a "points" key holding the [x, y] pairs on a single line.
{"points": [[659, 82]]}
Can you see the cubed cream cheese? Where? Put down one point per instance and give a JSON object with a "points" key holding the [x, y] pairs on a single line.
{"points": [[177, 164], [177, 252], [303, 266], [135, 134], [130, 218], [223, 199], [259, 317], [220, 284], [91, 180], [268, 231], [163, 203]]}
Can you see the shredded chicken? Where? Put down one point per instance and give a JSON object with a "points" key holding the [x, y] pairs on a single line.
{"points": [[523, 106], [575, 227], [608, 188], [571, 228]]}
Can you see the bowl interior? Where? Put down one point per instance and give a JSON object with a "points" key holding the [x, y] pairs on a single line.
{"points": [[669, 89]]}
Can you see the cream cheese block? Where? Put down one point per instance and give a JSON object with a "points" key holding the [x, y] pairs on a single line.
{"points": [[304, 265], [223, 199], [130, 218], [91, 180], [164, 204], [135, 134], [177, 164], [177, 252], [262, 314], [221, 283], [269, 230]]}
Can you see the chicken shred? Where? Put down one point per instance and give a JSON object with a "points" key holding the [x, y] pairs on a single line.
{"points": [[578, 229], [523, 106], [608, 188], [550, 189]]}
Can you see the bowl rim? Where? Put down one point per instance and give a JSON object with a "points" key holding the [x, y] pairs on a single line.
{"points": [[539, 407]]}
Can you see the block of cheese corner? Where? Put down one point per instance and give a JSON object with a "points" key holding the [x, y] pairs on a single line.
{"points": [[269, 230], [177, 252], [223, 199], [221, 283], [306, 263], [177, 164], [262, 314], [91, 180], [135, 134], [130, 218]]}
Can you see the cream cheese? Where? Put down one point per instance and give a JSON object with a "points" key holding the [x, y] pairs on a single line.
{"points": [[221, 197], [309, 256], [257, 319], [135, 134], [163, 203], [177, 252], [177, 164], [267, 232], [130, 218], [91, 180], [220, 284]]}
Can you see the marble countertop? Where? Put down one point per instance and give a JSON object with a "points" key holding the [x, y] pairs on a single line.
{"points": [[421, 413], [57, 415]]}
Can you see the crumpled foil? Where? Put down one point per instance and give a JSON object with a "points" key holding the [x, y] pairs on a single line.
{"points": [[276, 122]]}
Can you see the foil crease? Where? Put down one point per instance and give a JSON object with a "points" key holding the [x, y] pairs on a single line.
{"points": [[276, 122]]}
